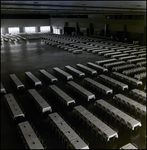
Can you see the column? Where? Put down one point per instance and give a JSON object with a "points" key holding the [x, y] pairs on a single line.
{"points": [[144, 36], [21, 29], [6, 30], [77, 29], [91, 29], [51, 29], [106, 30]]}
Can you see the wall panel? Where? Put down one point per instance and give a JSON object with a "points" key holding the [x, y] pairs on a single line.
{"points": [[24, 22]]}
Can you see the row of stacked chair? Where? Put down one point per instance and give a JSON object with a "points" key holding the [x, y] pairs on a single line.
{"points": [[60, 125]]}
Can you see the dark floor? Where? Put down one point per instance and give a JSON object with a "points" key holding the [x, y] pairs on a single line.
{"points": [[32, 56]]}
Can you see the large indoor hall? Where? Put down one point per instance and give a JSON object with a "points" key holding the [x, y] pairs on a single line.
{"points": [[73, 75]]}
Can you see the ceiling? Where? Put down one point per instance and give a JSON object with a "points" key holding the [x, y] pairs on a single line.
{"points": [[58, 8]]}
